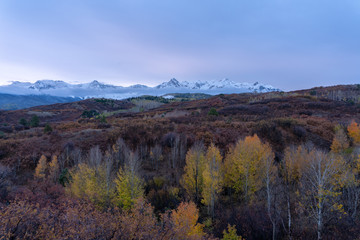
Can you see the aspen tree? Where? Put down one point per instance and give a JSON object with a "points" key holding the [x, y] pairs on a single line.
{"points": [[354, 132], [213, 178], [54, 169], [41, 168], [129, 186], [192, 179], [340, 141]]}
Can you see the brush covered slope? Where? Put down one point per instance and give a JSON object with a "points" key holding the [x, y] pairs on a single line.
{"points": [[100, 144]]}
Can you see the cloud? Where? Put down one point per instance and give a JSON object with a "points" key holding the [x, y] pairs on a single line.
{"points": [[287, 44]]}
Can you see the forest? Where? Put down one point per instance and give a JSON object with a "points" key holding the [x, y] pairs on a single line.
{"points": [[240, 166]]}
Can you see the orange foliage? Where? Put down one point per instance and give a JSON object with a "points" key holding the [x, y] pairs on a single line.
{"points": [[340, 141], [185, 219], [354, 132]]}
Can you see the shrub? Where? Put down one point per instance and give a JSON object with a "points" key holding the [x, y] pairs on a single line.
{"points": [[213, 112], [34, 121], [47, 128], [89, 114], [23, 122], [313, 93], [102, 119]]}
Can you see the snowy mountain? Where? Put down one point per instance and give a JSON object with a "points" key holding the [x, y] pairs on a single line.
{"points": [[173, 83], [48, 84], [216, 84], [96, 85], [96, 89]]}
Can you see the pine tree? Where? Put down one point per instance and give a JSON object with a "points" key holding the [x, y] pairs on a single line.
{"points": [[34, 121]]}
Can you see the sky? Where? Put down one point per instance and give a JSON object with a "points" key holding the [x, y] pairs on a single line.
{"points": [[290, 44]]}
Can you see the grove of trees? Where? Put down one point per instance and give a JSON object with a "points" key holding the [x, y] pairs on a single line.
{"points": [[243, 192]]}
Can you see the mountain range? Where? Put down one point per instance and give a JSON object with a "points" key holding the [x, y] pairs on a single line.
{"points": [[59, 91]]}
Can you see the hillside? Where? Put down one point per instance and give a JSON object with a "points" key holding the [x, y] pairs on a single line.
{"points": [[160, 131], [280, 118]]}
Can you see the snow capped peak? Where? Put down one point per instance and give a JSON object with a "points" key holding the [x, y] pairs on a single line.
{"points": [[173, 83], [99, 89], [48, 84], [225, 84], [95, 84]]}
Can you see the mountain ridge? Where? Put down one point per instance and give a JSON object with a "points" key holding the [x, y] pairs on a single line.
{"points": [[42, 85], [52, 91]]}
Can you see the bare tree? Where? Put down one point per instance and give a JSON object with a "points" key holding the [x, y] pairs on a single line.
{"points": [[120, 150], [269, 178], [322, 179], [95, 156], [175, 151], [156, 155]]}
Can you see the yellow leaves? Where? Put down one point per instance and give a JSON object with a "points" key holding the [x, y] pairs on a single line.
{"points": [[54, 169], [354, 132], [338, 207], [129, 187], [340, 141], [44, 170], [185, 219], [212, 176], [41, 168], [192, 180], [247, 164], [294, 160], [115, 148], [230, 233], [90, 183]]}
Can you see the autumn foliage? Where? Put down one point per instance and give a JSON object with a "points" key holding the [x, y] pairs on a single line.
{"points": [[266, 167], [354, 132]]}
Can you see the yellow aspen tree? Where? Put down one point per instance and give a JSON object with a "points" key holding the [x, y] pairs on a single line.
{"points": [[41, 168], [129, 187], [54, 169], [192, 180], [128, 184], [340, 141], [245, 167], [77, 185], [90, 183], [96, 187], [230, 233], [354, 132], [213, 178]]}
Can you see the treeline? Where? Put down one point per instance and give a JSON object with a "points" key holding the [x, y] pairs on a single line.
{"points": [[308, 193]]}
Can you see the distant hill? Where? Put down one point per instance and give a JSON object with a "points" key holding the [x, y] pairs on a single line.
{"points": [[13, 102]]}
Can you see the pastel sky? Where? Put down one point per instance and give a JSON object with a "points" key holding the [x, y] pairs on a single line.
{"points": [[290, 44]]}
